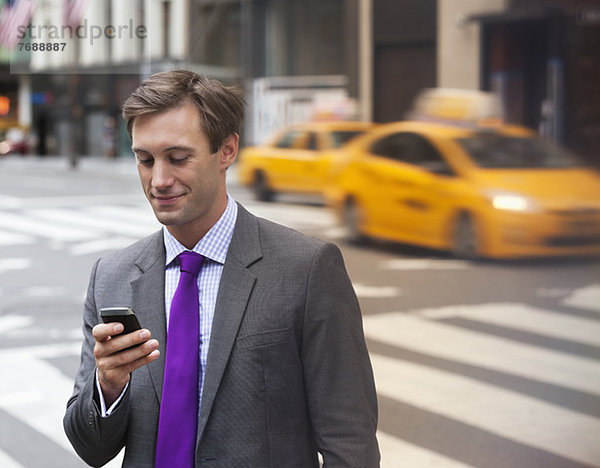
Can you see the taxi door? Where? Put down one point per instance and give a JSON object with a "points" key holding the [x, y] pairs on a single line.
{"points": [[419, 189], [310, 169], [285, 158]]}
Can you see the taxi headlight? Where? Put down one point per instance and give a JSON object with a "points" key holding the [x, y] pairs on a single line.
{"points": [[513, 202]]}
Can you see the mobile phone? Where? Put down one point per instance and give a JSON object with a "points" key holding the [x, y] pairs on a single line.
{"points": [[125, 315]]}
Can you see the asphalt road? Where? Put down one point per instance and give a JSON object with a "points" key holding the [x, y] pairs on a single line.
{"points": [[493, 364]]}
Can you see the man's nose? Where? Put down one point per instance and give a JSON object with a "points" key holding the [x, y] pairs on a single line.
{"points": [[161, 175]]}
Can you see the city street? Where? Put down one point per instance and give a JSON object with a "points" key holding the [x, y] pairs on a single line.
{"points": [[489, 364]]}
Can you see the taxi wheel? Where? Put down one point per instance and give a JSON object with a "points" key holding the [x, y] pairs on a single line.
{"points": [[352, 216], [464, 242], [260, 187]]}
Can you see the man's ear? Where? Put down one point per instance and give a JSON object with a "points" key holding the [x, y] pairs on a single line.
{"points": [[228, 150]]}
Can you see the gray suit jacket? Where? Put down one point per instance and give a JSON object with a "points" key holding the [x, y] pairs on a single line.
{"points": [[287, 376]]}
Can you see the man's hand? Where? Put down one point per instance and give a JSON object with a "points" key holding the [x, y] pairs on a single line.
{"points": [[115, 361]]}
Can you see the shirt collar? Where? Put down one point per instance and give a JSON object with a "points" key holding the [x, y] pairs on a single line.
{"points": [[214, 244]]}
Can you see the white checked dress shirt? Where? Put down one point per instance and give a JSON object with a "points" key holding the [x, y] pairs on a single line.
{"points": [[213, 246]]}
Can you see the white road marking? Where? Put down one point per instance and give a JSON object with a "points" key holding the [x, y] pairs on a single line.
{"points": [[506, 413], [8, 323], [44, 291], [524, 317], [101, 245], [424, 264], [79, 200], [397, 453], [336, 232], [12, 238], [377, 292], [296, 217], [35, 392], [8, 462], [138, 214], [552, 292], [31, 387], [94, 222], [448, 342], [6, 201], [585, 298], [17, 263], [24, 223]]}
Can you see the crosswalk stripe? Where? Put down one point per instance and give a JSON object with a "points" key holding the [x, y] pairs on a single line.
{"points": [[26, 224], [35, 392], [366, 291], [7, 201], [15, 263], [424, 264], [139, 214], [524, 317], [506, 413], [94, 222], [65, 222], [293, 216], [585, 298], [11, 238], [101, 245], [13, 322], [7, 462], [30, 387], [397, 453], [77, 201], [436, 339]]}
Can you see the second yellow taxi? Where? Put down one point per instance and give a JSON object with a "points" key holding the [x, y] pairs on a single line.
{"points": [[297, 159]]}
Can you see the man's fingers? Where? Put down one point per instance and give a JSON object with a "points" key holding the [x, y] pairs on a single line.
{"points": [[129, 355], [116, 376], [142, 361], [113, 344], [103, 331]]}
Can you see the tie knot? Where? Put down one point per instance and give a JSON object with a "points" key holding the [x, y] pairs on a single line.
{"points": [[190, 262]]}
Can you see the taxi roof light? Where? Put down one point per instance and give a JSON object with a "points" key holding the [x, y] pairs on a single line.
{"points": [[463, 107]]}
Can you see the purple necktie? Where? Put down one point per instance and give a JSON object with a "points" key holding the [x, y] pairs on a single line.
{"points": [[179, 406]]}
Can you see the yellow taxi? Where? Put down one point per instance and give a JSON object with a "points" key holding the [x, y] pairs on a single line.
{"points": [[298, 159], [496, 192]]}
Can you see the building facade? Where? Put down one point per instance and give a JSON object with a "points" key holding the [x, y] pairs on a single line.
{"points": [[75, 94], [542, 57]]}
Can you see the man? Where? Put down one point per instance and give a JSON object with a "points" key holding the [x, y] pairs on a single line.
{"points": [[279, 366]]}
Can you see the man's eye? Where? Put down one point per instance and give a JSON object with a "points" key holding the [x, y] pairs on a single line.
{"points": [[179, 160], [145, 162]]}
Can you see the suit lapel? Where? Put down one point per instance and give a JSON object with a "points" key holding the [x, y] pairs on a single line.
{"points": [[149, 302], [235, 288]]}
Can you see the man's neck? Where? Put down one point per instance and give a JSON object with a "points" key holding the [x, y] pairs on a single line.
{"points": [[189, 234]]}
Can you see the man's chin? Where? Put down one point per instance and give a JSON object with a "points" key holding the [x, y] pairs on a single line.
{"points": [[166, 218]]}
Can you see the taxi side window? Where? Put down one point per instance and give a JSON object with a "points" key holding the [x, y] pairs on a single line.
{"points": [[413, 149], [311, 142], [288, 139]]}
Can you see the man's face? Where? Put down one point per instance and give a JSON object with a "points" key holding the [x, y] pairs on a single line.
{"points": [[182, 179]]}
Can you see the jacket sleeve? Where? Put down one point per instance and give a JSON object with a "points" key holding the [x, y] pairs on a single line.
{"points": [[339, 379], [95, 439]]}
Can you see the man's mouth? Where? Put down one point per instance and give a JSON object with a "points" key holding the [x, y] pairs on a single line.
{"points": [[165, 200]]}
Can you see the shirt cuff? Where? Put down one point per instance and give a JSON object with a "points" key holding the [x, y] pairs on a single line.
{"points": [[105, 413]]}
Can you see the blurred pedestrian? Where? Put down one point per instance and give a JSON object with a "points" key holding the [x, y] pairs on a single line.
{"points": [[109, 137], [264, 362]]}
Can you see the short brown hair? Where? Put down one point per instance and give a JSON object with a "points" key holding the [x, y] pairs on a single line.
{"points": [[221, 107]]}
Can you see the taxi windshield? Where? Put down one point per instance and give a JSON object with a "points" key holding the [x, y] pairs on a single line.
{"points": [[506, 152], [340, 137]]}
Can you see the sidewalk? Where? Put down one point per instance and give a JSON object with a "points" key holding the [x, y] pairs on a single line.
{"points": [[90, 165]]}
